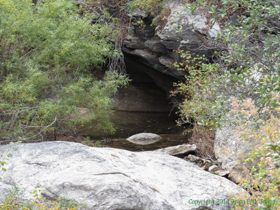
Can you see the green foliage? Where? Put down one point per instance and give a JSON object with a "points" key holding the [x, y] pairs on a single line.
{"points": [[92, 143], [47, 54], [152, 8], [241, 87], [193, 106], [146, 5], [12, 202], [98, 144], [262, 181], [247, 65], [5, 156]]}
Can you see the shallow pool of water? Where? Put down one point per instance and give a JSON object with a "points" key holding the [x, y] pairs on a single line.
{"points": [[166, 141], [130, 123]]}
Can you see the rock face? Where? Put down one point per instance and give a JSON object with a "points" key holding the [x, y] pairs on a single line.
{"points": [[106, 178], [144, 138], [184, 27], [177, 150], [227, 148], [155, 48]]}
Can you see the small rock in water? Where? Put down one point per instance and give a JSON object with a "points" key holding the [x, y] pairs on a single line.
{"points": [[144, 138]]}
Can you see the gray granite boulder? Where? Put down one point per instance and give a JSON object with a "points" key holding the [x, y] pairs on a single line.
{"points": [[228, 147], [106, 178], [184, 26], [177, 150]]}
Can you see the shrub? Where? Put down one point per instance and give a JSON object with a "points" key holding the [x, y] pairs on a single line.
{"points": [[146, 5], [246, 64], [47, 56], [240, 86], [262, 182], [4, 157], [12, 202]]}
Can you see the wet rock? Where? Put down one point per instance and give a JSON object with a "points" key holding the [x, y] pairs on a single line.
{"points": [[177, 150], [111, 179], [144, 138]]}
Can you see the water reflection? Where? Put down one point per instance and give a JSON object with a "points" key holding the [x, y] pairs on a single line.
{"points": [[166, 141], [130, 123]]}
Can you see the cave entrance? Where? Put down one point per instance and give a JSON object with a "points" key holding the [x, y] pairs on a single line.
{"points": [[144, 106], [148, 91]]}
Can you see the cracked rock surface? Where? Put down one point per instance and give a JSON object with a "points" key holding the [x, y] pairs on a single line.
{"points": [[107, 178]]}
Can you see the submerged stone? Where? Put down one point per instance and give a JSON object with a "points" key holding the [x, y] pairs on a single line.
{"points": [[144, 138]]}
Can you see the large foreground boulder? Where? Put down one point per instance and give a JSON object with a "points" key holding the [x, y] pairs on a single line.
{"points": [[106, 178]]}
